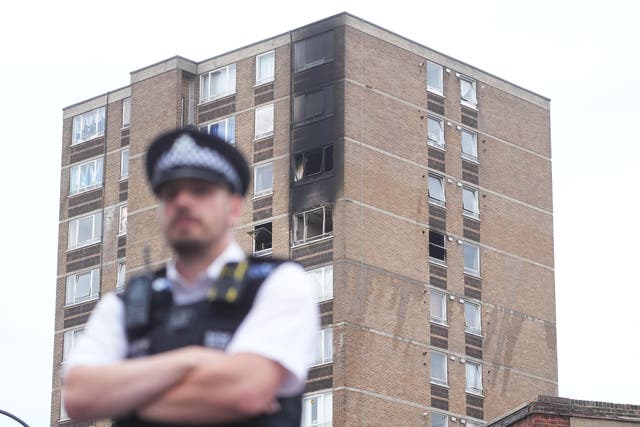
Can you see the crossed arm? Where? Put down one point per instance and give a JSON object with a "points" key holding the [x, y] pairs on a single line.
{"points": [[192, 385]]}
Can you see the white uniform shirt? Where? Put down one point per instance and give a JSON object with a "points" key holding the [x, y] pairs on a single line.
{"points": [[282, 325]]}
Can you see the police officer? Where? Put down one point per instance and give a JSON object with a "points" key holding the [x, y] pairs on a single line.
{"points": [[215, 338]]}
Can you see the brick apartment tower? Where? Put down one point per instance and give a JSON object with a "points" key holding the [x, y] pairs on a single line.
{"points": [[415, 188]]}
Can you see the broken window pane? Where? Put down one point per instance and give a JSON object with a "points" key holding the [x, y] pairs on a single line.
{"points": [[262, 241], [313, 162], [437, 250], [314, 224]]}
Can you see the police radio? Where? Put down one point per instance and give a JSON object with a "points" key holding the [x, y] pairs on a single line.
{"points": [[137, 296]]}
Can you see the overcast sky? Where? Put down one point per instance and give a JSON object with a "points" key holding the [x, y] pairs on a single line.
{"points": [[583, 55]]}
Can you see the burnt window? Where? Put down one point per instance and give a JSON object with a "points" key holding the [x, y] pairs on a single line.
{"points": [[313, 162], [311, 225], [262, 239], [313, 51], [313, 105], [437, 249]]}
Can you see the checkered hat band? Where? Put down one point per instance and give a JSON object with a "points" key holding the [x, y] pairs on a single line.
{"points": [[186, 153]]}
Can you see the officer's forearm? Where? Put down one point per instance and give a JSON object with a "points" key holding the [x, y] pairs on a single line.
{"points": [[231, 388], [114, 390]]}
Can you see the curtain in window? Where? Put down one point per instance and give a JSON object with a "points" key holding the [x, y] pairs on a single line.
{"points": [[266, 66], [469, 144], [436, 190], [474, 376], [468, 91], [434, 131]]}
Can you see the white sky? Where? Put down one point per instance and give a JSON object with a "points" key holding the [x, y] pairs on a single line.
{"points": [[583, 55]]}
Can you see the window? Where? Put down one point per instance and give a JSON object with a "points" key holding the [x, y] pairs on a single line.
{"points": [[438, 307], [262, 239], [317, 410], [264, 121], [471, 259], [322, 283], [122, 271], [225, 129], [314, 162], [436, 189], [124, 164], [439, 420], [263, 179], [438, 368], [86, 176], [313, 51], [470, 424], [126, 112], [218, 83], [313, 105], [437, 249], [469, 145], [472, 321], [122, 223], [470, 202], [435, 132], [88, 126], [265, 67], [434, 77], [82, 286], [70, 339], [324, 353], [85, 231], [468, 92], [474, 377], [312, 225], [63, 412]]}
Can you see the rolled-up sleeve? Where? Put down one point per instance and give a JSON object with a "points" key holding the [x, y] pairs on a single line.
{"points": [[103, 340], [282, 325]]}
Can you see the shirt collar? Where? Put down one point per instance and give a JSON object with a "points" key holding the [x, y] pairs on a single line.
{"points": [[232, 253]]}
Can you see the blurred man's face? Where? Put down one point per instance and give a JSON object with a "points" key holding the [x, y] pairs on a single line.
{"points": [[197, 215]]}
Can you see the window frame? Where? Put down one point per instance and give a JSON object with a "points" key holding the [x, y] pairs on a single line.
{"points": [[445, 417], [468, 270], [265, 191], [230, 80], [268, 79], [443, 247], [326, 38], [466, 212], [465, 102], [439, 143], [471, 388], [443, 307], [96, 237], [478, 315], [122, 231], [74, 335], [323, 288], [94, 289], [207, 128], [256, 228], [300, 106], [474, 136], [439, 381], [95, 183], [100, 113], [268, 132], [434, 200], [120, 284], [305, 240], [324, 409], [433, 89], [325, 348], [124, 164], [300, 162], [126, 113]]}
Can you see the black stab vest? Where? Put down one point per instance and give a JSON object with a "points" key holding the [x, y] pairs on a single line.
{"points": [[165, 326]]}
